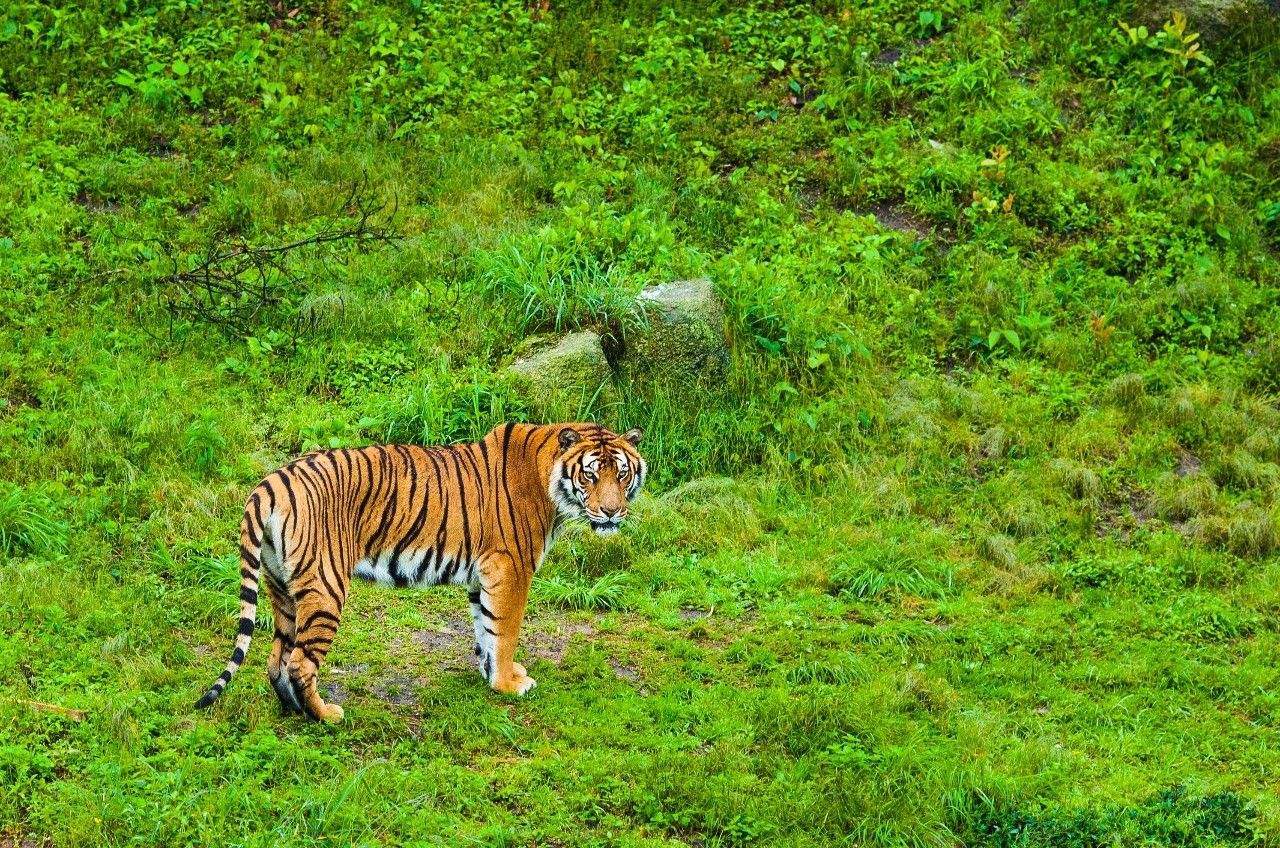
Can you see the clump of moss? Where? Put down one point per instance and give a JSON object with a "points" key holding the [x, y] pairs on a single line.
{"points": [[1178, 498], [995, 442], [564, 377], [1241, 470], [1127, 391], [999, 550], [1080, 481], [1249, 531]]}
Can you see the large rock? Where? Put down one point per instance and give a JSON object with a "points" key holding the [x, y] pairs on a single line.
{"points": [[565, 377], [1212, 19], [684, 334]]}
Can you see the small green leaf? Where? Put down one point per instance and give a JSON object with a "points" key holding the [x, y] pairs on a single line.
{"points": [[181, 68], [778, 64]]}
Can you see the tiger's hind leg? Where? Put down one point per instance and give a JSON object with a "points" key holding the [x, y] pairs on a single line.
{"points": [[283, 610], [318, 616]]}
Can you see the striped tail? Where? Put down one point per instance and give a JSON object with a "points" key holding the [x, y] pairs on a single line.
{"points": [[250, 561]]}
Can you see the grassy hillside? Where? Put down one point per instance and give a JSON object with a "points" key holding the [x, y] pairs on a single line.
{"points": [[977, 543]]}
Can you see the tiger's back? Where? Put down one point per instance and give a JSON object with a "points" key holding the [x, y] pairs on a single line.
{"points": [[481, 515]]}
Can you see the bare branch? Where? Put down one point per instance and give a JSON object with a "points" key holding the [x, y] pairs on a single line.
{"points": [[236, 286]]}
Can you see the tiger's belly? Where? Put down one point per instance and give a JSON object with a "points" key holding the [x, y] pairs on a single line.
{"points": [[415, 568]]}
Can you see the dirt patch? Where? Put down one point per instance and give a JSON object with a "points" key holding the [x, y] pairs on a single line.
{"points": [[551, 646], [358, 668], [691, 614], [895, 217], [97, 204], [453, 643], [625, 672], [334, 693], [1130, 511], [15, 840], [888, 57], [400, 691], [18, 397], [1188, 464]]}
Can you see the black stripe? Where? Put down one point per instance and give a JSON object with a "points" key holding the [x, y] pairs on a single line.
{"points": [[237, 656], [371, 481], [462, 496], [248, 595], [333, 593], [254, 538], [415, 528], [246, 627], [288, 488], [511, 510], [384, 523], [319, 614]]}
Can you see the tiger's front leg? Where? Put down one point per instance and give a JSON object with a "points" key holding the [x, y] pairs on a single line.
{"points": [[497, 611]]}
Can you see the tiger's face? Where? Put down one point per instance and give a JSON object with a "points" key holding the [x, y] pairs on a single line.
{"points": [[596, 475]]}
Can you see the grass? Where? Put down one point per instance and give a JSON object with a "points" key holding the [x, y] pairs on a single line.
{"points": [[974, 544]]}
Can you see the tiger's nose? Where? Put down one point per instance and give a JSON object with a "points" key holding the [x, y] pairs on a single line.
{"points": [[610, 513]]}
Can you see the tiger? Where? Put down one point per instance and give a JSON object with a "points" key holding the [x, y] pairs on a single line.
{"points": [[482, 515]]}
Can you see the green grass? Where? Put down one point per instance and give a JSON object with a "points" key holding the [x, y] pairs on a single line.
{"points": [[975, 544]]}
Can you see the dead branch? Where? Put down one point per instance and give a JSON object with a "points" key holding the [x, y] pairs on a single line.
{"points": [[236, 286]]}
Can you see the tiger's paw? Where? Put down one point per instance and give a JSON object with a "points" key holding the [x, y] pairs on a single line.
{"points": [[331, 713], [519, 683]]}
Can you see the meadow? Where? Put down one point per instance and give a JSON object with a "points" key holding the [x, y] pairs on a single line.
{"points": [[976, 542]]}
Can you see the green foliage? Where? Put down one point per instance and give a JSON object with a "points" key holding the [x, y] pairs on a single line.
{"points": [[581, 593], [1172, 817]]}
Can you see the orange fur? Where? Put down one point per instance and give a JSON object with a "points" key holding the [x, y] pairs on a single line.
{"points": [[481, 515]]}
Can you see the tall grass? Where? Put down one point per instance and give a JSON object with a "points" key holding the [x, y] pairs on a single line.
{"points": [[27, 521]]}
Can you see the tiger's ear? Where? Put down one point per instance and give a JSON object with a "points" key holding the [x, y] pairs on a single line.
{"points": [[634, 435], [569, 436]]}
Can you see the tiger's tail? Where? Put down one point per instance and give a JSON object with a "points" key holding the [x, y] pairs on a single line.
{"points": [[250, 564]]}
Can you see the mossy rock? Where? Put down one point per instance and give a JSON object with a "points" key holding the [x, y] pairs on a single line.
{"points": [[1214, 20], [683, 338], [566, 377]]}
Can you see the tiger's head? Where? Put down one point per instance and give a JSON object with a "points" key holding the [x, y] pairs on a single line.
{"points": [[596, 474]]}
